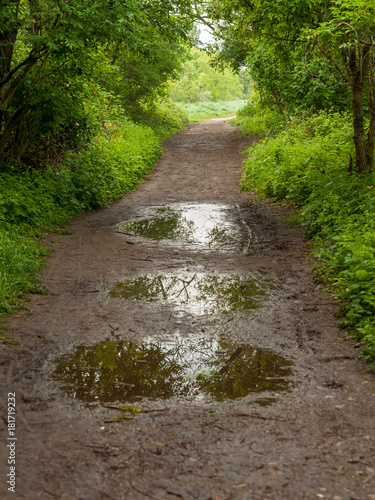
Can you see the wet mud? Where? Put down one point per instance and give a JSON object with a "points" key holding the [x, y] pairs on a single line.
{"points": [[184, 351], [202, 226]]}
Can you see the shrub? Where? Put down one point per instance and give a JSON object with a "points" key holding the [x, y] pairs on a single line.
{"points": [[113, 164], [307, 165], [34, 200]]}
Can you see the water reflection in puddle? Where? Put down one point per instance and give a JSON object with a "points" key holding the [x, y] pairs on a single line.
{"points": [[207, 225], [215, 369], [197, 293]]}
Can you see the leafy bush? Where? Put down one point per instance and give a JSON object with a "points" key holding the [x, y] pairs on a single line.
{"points": [[114, 162], [307, 164], [20, 265], [163, 116], [256, 119]]}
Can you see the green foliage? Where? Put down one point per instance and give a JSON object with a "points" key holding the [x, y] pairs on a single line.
{"points": [[307, 164], [201, 82], [308, 154], [163, 116], [294, 82], [114, 162], [306, 55], [350, 265], [129, 48], [256, 119], [204, 110], [141, 78], [19, 266]]}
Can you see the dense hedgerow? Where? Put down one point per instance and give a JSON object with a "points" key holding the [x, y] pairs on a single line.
{"points": [[45, 199], [307, 164]]}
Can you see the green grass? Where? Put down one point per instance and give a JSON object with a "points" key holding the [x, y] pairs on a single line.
{"points": [[201, 111]]}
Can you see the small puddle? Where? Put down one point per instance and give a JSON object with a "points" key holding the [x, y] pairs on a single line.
{"points": [[215, 369], [201, 225], [197, 293]]}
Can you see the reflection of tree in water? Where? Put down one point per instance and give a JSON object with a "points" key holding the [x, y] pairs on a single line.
{"points": [[244, 370], [217, 292], [232, 293], [218, 236], [125, 371], [112, 371], [170, 225]]}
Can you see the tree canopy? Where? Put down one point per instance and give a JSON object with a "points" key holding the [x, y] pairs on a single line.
{"points": [[305, 54], [200, 82], [50, 51]]}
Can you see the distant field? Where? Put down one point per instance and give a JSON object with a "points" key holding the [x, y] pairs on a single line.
{"points": [[204, 110]]}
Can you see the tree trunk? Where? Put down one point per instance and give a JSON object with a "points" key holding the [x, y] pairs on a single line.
{"points": [[357, 84], [5, 136], [359, 130], [370, 142]]}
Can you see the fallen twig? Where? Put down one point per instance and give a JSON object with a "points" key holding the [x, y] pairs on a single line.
{"points": [[262, 417], [127, 408], [141, 492]]}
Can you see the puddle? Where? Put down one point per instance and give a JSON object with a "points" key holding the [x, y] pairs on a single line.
{"points": [[206, 225], [197, 293], [202, 369]]}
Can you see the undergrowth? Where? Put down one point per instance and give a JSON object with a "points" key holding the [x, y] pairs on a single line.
{"points": [[256, 120], [307, 164], [35, 201]]}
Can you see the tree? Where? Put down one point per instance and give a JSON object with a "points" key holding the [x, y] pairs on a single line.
{"points": [[202, 82], [41, 39], [346, 41], [140, 77], [338, 35]]}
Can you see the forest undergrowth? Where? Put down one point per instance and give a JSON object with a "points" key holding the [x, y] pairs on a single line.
{"points": [[306, 161], [35, 201]]}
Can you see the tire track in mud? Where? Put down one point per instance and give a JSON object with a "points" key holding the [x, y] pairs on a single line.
{"points": [[316, 439]]}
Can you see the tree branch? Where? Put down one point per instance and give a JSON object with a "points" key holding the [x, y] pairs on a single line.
{"points": [[327, 56], [8, 94]]}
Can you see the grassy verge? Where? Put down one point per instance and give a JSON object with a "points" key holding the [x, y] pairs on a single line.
{"points": [[200, 111], [34, 201], [307, 164]]}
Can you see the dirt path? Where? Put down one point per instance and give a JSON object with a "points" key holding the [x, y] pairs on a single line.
{"points": [[223, 285]]}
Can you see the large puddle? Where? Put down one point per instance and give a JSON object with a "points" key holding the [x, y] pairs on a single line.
{"points": [[209, 226], [213, 370], [197, 293]]}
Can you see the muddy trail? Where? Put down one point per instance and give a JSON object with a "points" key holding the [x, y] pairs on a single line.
{"points": [[195, 303]]}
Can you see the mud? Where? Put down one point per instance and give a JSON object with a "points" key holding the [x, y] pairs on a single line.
{"points": [[194, 303]]}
